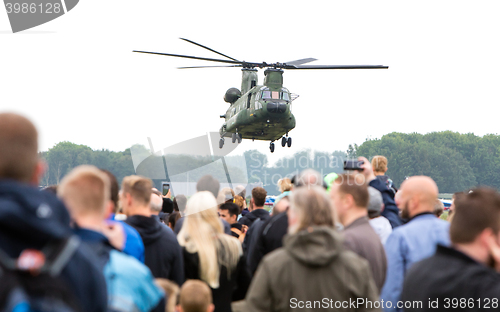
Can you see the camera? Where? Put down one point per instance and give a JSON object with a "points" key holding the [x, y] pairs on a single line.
{"points": [[353, 164]]}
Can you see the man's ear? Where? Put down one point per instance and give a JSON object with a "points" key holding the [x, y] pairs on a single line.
{"points": [[128, 199], [211, 308], [413, 202], [110, 208], [348, 200], [484, 236], [38, 172]]}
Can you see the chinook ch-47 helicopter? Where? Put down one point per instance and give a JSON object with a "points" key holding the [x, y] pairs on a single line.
{"points": [[260, 112]]}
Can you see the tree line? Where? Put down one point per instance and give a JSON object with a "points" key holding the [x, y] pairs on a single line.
{"points": [[455, 161], [65, 156]]}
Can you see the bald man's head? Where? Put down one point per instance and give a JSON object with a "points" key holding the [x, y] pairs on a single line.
{"points": [[155, 203], [18, 148], [309, 177], [417, 195]]}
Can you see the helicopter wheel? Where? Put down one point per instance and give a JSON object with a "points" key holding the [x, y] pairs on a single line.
{"points": [[239, 137], [289, 141], [221, 142], [271, 147], [233, 137], [283, 141]]}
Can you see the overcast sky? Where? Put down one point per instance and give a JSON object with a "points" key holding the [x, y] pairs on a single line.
{"points": [[78, 79]]}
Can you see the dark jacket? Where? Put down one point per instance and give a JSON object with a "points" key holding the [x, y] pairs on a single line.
{"points": [[250, 238], [270, 238], [311, 266], [388, 182], [255, 214], [451, 274], [30, 219], [163, 254], [232, 287], [391, 211], [254, 221], [360, 237], [168, 205], [158, 219]]}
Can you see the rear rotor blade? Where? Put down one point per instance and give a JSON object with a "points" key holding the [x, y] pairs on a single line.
{"points": [[192, 57], [338, 67], [204, 47]]}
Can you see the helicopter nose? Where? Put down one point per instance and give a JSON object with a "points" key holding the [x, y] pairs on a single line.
{"points": [[276, 107]]}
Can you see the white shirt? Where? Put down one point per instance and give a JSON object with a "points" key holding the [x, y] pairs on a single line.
{"points": [[382, 227]]}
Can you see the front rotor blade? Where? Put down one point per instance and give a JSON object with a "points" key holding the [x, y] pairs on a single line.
{"points": [[339, 67], [209, 66], [192, 57], [301, 61], [204, 47]]}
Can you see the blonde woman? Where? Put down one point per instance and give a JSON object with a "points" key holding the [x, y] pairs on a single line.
{"points": [[210, 255], [285, 185]]}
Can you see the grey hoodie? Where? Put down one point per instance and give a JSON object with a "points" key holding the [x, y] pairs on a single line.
{"points": [[312, 271]]}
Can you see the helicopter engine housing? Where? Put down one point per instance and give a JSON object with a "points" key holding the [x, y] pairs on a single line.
{"points": [[232, 95]]}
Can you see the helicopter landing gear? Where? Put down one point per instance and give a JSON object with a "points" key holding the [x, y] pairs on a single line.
{"points": [[221, 142], [271, 147], [236, 137], [286, 140]]}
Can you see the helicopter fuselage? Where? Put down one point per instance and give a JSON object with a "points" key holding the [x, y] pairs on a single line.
{"points": [[260, 114]]}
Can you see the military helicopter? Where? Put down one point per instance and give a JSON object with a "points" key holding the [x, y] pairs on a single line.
{"points": [[259, 112]]}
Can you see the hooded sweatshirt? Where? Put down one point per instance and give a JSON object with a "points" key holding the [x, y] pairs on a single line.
{"points": [[255, 214], [30, 219], [311, 271], [162, 252], [391, 211]]}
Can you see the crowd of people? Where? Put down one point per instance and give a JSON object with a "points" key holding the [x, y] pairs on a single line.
{"points": [[349, 241]]}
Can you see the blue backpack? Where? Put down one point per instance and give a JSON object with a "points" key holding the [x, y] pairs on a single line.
{"points": [[33, 281], [131, 286]]}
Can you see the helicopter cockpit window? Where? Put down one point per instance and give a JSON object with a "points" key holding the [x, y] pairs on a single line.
{"points": [[266, 95], [273, 95], [285, 96]]}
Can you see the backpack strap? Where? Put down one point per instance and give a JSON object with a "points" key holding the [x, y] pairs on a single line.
{"points": [[64, 256], [53, 267], [6, 261]]}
